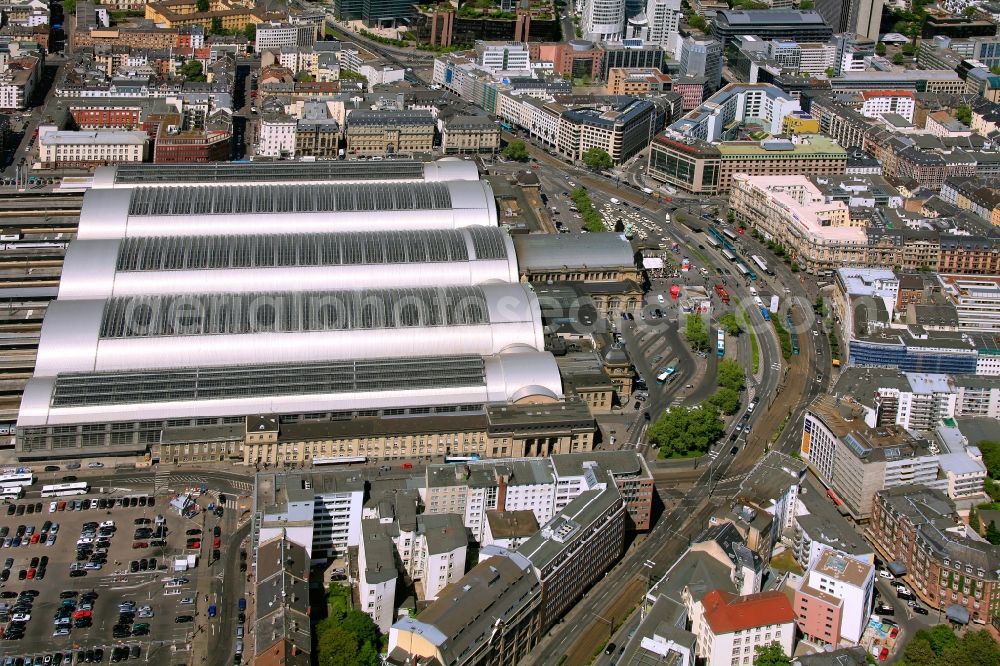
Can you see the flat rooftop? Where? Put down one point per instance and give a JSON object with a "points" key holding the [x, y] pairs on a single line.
{"points": [[843, 568], [512, 524], [805, 204], [845, 418], [809, 144]]}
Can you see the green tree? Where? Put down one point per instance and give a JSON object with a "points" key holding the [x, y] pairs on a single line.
{"points": [[771, 654], [697, 22], [516, 150], [964, 114], [726, 400], [597, 159], [192, 71], [216, 26], [995, 69], [897, 58], [969, 11], [360, 626], [992, 533], [939, 646], [830, 72], [683, 431], [940, 637], [695, 332], [336, 646], [880, 49], [806, 4], [304, 77], [730, 323], [974, 520], [991, 456], [69, 7], [202, 5], [918, 652], [976, 648], [731, 375], [346, 637], [250, 32]]}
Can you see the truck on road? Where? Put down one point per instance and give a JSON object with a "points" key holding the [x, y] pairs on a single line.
{"points": [[723, 294]]}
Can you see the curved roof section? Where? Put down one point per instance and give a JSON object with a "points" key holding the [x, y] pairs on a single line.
{"points": [[266, 173], [555, 251], [286, 327], [287, 262], [256, 210], [287, 388]]}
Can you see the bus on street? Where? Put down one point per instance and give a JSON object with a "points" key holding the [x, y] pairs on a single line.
{"points": [[341, 460], [761, 265], [11, 492], [19, 477], [65, 489], [457, 460]]}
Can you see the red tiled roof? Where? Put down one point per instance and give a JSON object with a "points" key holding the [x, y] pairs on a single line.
{"points": [[726, 613]]}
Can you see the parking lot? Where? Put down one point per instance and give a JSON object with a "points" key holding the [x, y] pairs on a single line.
{"points": [[102, 577]]}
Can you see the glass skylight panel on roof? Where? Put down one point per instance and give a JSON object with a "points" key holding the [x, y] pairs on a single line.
{"points": [[350, 248], [487, 245], [242, 173], [221, 382], [244, 199], [291, 312]]}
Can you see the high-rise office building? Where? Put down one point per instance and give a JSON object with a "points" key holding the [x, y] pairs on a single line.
{"points": [[858, 16], [603, 20], [702, 57], [664, 17]]}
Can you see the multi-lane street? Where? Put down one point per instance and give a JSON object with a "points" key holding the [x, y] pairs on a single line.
{"points": [[784, 387]]}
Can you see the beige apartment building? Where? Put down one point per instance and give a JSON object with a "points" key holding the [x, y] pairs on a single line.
{"points": [[389, 132], [791, 210], [637, 81], [469, 134]]}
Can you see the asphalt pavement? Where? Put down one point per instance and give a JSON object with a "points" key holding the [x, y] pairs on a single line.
{"points": [[669, 537]]}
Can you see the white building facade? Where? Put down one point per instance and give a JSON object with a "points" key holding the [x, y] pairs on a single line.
{"points": [[603, 20], [276, 136]]}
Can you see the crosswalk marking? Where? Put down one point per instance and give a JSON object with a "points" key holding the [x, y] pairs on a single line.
{"points": [[163, 480], [160, 481]]}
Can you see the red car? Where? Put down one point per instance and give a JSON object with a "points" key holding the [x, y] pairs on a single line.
{"points": [[81, 613], [139, 544], [31, 574], [35, 537], [217, 542], [894, 632], [195, 545], [407, 466], [884, 654]]}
